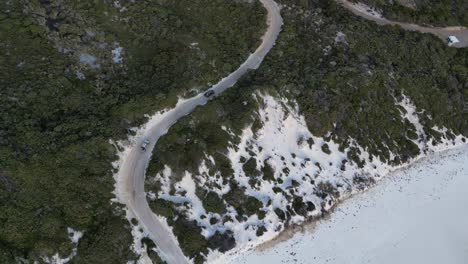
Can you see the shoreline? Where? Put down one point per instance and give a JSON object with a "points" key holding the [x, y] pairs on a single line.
{"points": [[309, 226], [320, 229]]}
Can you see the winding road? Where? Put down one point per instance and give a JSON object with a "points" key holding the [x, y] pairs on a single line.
{"points": [[442, 32], [131, 175]]}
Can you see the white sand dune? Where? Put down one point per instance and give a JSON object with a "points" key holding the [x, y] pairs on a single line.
{"points": [[416, 215]]}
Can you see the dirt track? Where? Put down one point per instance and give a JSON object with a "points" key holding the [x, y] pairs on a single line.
{"points": [[442, 32]]}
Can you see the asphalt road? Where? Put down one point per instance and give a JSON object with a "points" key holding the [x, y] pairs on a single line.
{"points": [[131, 183], [442, 32]]}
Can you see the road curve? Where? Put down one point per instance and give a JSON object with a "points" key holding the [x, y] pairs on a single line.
{"points": [[131, 175], [443, 33]]}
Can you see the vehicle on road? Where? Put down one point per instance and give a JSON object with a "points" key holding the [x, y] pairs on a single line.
{"points": [[132, 170], [209, 93], [145, 144], [452, 40]]}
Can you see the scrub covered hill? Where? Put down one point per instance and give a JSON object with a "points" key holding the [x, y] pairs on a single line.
{"points": [[335, 104], [432, 12], [75, 74]]}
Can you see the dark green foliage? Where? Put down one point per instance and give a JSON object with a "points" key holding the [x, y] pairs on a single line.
{"points": [[55, 159], [252, 205], [327, 189], [236, 197], [223, 164], [261, 230], [242, 203], [277, 190], [162, 207], [268, 172], [113, 251], [55, 126], [190, 239], [222, 241], [353, 154], [299, 206], [280, 213], [212, 203], [326, 149], [261, 214], [349, 91], [432, 12], [250, 168], [150, 246], [189, 135]]}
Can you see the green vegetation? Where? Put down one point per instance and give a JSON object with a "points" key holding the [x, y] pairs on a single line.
{"points": [[58, 113], [241, 202], [250, 168], [212, 203], [347, 88], [190, 239], [268, 173], [432, 12]]}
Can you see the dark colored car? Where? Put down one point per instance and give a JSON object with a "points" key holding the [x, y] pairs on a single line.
{"points": [[209, 93]]}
